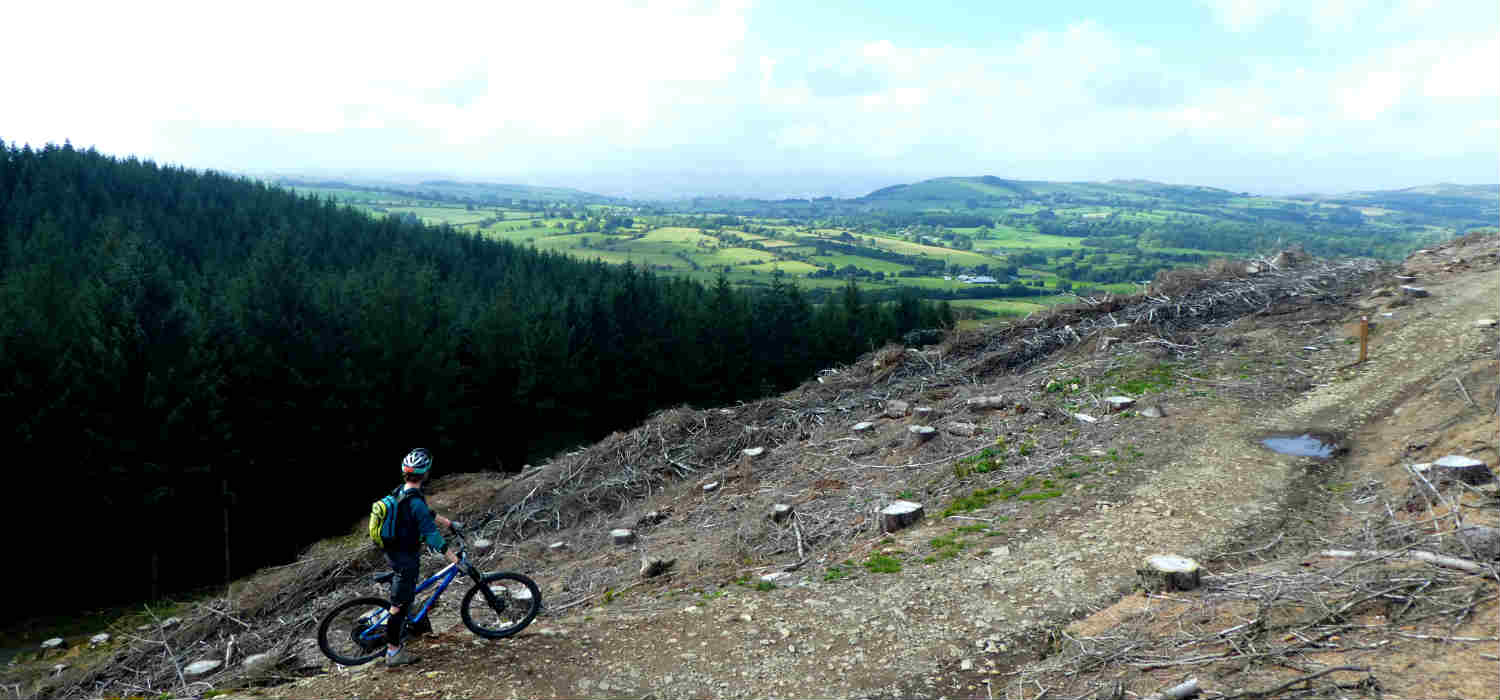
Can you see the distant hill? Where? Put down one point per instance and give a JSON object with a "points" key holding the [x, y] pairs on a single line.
{"points": [[990, 191], [457, 191], [1479, 202]]}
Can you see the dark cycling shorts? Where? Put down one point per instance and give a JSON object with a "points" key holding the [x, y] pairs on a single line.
{"points": [[408, 567]]}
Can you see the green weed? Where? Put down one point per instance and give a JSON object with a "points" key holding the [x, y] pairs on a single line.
{"points": [[883, 564]]}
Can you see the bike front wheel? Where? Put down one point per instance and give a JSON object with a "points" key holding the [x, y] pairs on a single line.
{"points": [[354, 632], [514, 604]]}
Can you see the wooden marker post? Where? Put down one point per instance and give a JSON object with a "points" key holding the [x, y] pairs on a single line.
{"points": [[1364, 337]]}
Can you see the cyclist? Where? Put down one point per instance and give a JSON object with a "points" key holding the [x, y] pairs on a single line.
{"points": [[416, 525]]}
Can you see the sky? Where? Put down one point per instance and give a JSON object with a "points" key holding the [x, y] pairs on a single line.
{"points": [[772, 98]]}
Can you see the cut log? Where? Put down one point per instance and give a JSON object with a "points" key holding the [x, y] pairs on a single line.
{"points": [[1181, 691], [922, 433], [1169, 572], [985, 403], [1459, 468], [899, 514], [780, 512], [622, 536], [199, 669]]}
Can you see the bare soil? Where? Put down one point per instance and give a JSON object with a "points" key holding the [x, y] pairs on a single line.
{"points": [[1020, 581]]}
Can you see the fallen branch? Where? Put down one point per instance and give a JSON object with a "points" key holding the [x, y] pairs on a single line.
{"points": [[1464, 565], [1295, 681]]}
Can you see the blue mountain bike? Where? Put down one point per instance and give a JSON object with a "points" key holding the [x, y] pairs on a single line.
{"points": [[496, 606]]}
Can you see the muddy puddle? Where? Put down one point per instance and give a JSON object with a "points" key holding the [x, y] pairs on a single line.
{"points": [[1318, 445]]}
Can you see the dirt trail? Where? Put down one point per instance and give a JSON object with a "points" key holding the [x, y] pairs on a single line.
{"points": [[962, 626]]}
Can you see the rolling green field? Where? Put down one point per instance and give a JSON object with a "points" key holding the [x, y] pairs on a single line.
{"points": [[1082, 238]]}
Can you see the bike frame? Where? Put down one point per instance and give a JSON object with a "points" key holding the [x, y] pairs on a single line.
{"points": [[441, 579]]}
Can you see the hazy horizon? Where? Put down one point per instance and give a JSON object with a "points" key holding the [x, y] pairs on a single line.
{"points": [[771, 98]]}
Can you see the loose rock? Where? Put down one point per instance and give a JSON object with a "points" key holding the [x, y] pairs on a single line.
{"points": [[897, 409], [1119, 403], [1485, 323], [652, 567], [863, 426], [557, 546], [711, 487], [1414, 292], [780, 512], [622, 536], [922, 433], [1154, 411], [753, 452], [99, 639], [256, 661]]}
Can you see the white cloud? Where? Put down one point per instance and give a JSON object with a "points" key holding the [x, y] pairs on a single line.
{"points": [[1325, 15]]}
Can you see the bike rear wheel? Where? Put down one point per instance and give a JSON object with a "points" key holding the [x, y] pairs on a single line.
{"points": [[515, 603], [354, 632]]}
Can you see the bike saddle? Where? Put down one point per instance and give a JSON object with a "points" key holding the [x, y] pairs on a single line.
{"points": [[385, 577]]}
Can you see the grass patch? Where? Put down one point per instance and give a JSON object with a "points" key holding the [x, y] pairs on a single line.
{"points": [[883, 564], [838, 571]]}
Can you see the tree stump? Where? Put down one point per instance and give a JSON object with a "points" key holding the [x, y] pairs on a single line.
{"points": [[780, 512], [53, 647], [622, 536], [899, 514], [922, 433], [1169, 572], [1459, 468]]}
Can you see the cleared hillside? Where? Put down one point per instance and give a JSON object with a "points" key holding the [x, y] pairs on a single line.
{"points": [[1036, 519]]}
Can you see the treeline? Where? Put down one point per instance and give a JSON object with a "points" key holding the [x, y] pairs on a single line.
{"points": [[177, 344]]}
